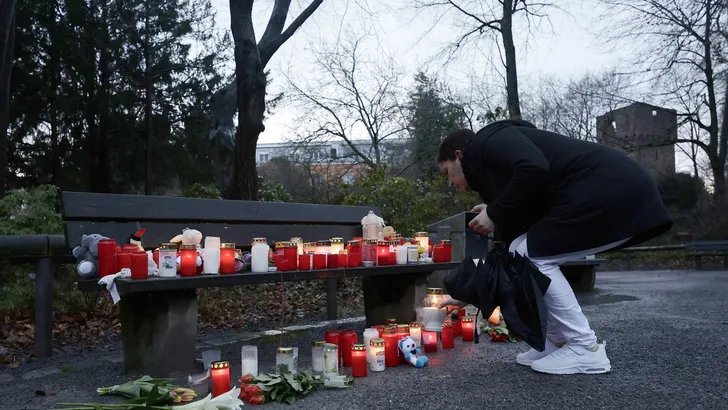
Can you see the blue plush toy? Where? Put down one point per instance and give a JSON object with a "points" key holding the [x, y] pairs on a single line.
{"points": [[412, 354]]}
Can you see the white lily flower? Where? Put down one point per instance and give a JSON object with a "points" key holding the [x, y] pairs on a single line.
{"points": [[227, 401]]}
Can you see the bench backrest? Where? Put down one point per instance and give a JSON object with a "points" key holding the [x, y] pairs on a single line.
{"points": [[707, 246], [116, 216]]}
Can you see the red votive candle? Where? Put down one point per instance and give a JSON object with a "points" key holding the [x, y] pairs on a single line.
{"points": [[429, 341], [341, 260], [123, 260], [380, 329], [402, 331], [130, 247], [383, 253], [438, 254], [227, 258], [155, 256], [447, 245], [290, 253], [354, 260], [391, 349], [332, 262], [348, 338], [188, 260], [282, 265], [446, 337], [319, 261], [456, 328], [107, 257], [139, 265], [304, 262], [220, 373], [468, 329], [358, 359], [334, 337]]}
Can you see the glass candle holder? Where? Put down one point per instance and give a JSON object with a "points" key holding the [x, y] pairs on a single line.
{"points": [[429, 341], [423, 239], [323, 247], [456, 328], [259, 255], [227, 258], [432, 316], [342, 260], [299, 244], [333, 337], [348, 338], [249, 360], [401, 253], [285, 360], [309, 247], [369, 252], [139, 265], [380, 329], [337, 246], [331, 359], [317, 355], [167, 260], [376, 355], [446, 336], [304, 262], [187, 260], [468, 328], [415, 330], [391, 349], [368, 335], [123, 260], [290, 253], [332, 261], [319, 261], [358, 360], [220, 374], [382, 253], [447, 245], [107, 258]]}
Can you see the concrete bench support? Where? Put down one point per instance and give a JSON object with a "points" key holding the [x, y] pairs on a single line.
{"points": [[394, 296]]}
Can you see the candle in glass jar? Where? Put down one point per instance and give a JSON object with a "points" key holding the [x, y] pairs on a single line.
{"points": [[401, 254], [309, 247], [369, 252], [220, 374], [334, 337], [348, 338], [358, 360], [319, 261], [285, 360], [380, 329], [402, 332], [392, 321], [341, 260], [227, 258], [167, 260], [369, 334], [323, 247], [304, 262], [139, 265], [392, 252], [123, 260], [391, 349], [416, 333], [317, 356], [382, 253], [429, 341], [456, 329], [331, 359], [433, 316], [259, 255], [249, 360], [290, 253], [447, 245], [337, 246], [299, 244], [468, 329], [446, 336], [423, 239], [376, 354], [107, 257], [187, 260]]}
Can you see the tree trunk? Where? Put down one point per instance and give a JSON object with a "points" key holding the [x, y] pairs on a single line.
{"points": [[7, 42], [148, 101], [251, 83], [506, 27]]}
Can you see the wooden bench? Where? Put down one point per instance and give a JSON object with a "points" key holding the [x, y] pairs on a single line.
{"points": [[159, 315], [699, 249]]}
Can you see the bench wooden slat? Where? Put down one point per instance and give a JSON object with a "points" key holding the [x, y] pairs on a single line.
{"points": [[86, 206]]}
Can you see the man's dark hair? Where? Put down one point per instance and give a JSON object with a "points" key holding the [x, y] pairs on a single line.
{"points": [[454, 141]]}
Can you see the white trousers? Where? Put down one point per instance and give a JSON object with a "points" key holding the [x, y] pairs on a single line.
{"points": [[566, 322]]}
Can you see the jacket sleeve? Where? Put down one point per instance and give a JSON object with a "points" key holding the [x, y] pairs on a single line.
{"points": [[511, 150]]}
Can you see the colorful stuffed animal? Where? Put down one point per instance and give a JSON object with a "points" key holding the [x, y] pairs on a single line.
{"points": [[411, 352], [87, 255], [136, 237]]}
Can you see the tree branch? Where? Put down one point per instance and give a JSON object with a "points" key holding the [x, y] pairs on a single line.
{"points": [[268, 47]]}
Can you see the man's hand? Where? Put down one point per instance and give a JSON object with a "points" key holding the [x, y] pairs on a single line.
{"points": [[478, 208], [451, 304], [482, 223]]}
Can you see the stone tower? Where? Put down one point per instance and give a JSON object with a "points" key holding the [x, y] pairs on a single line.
{"points": [[645, 132]]}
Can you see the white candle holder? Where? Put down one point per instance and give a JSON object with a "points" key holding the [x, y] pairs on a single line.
{"points": [[249, 358]]}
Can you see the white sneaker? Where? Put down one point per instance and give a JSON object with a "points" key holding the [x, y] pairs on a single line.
{"points": [[532, 355], [575, 359]]}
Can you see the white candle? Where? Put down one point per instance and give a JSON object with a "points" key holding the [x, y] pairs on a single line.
{"points": [[402, 255], [317, 356], [211, 260], [416, 333], [433, 318], [369, 334], [249, 356], [376, 355], [259, 256]]}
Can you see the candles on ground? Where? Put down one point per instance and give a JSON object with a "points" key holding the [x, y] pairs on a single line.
{"points": [[139, 265], [391, 349], [333, 337], [317, 356], [249, 360], [376, 355], [188, 260], [456, 329], [369, 334], [227, 258], [337, 246], [220, 374], [358, 355], [432, 316], [415, 331], [107, 257], [382, 253], [285, 360], [429, 341], [446, 337], [167, 260], [259, 255], [348, 338], [402, 331], [331, 359], [468, 328]]}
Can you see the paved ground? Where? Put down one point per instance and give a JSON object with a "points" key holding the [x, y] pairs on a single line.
{"points": [[666, 332]]}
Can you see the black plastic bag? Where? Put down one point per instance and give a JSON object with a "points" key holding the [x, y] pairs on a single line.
{"points": [[507, 280]]}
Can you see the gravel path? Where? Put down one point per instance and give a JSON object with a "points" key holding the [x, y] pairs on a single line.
{"points": [[666, 333]]}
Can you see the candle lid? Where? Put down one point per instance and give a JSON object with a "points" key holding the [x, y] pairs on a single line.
{"points": [[434, 291], [228, 245], [358, 347], [318, 343], [392, 321], [414, 324], [337, 240], [447, 325], [260, 240], [446, 242], [285, 350], [466, 319], [370, 241], [297, 239], [420, 234], [390, 329], [222, 364], [383, 243], [290, 245], [307, 244], [189, 247], [354, 243], [376, 342], [323, 243], [168, 246], [402, 328]]}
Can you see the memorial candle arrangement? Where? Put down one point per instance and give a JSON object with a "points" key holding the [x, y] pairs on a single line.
{"points": [[358, 356], [220, 374]]}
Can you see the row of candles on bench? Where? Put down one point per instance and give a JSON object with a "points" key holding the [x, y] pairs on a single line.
{"points": [[341, 348]]}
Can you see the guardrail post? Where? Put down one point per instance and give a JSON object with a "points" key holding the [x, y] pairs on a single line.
{"points": [[44, 307]]}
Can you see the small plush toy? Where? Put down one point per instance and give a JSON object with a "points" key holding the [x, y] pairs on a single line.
{"points": [[136, 237], [190, 237], [87, 255], [388, 232], [412, 353]]}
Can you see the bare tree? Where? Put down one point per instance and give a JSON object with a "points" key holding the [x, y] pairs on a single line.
{"points": [[7, 42], [483, 18], [684, 40], [346, 96], [248, 92]]}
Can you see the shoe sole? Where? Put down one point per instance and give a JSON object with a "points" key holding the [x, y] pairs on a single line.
{"points": [[525, 362], [601, 368]]}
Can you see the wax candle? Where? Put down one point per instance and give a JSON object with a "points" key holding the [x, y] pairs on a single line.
{"points": [[220, 374], [211, 255], [376, 355], [285, 360], [401, 255], [337, 246], [429, 341], [259, 255], [358, 355], [353, 247], [447, 245], [432, 316], [446, 337], [342, 260], [354, 260], [123, 260], [167, 260], [348, 338], [468, 329], [317, 355], [416, 333], [438, 254], [369, 334], [331, 359], [323, 247], [402, 331], [187, 260], [139, 265], [249, 360], [423, 239], [304, 262], [107, 257], [334, 337], [332, 261], [382, 253], [319, 261], [227, 258], [369, 252], [290, 253], [391, 349]]}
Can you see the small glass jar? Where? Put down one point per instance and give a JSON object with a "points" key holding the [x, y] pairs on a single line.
{"points": [[376, 355], [447, 244], [317, 355], [188, 260], [259, 255], [369, 252], [227, 258], [331, 360], [432, 315], [369, 334], [337, 246], [323, 247], [167, 260], [290, 253], [424, 240], [382, 253], [415, 331], [299, 244], [358, 360], [285, 360]]}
